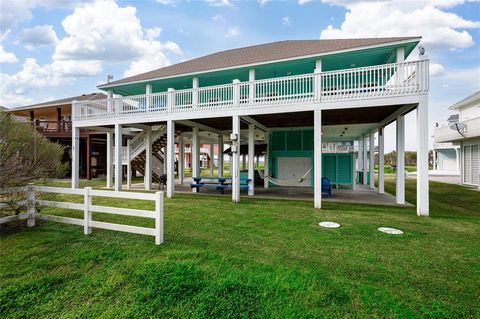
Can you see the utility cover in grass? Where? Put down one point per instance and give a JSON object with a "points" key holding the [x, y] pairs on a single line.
{"points": [[391, 231], [329, 225]]}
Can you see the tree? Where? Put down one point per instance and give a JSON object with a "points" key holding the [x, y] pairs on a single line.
{"points": [[25, 156]]}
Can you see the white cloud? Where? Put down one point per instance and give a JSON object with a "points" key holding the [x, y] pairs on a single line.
{"points": [[15, 12], [286, 21], [219, 3], [167, 2], [232, 32], [436, 69], [462, 78], [92, 40], [37, 36], [218, 18], [302, 2], [263, 2], [439, 29], [7, 57]]}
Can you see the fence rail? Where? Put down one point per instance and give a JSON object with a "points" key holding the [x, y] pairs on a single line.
{"points": [[395, 79], [87, 222]]}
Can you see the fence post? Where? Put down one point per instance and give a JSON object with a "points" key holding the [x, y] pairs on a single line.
{"points": [[87, 214], [158, 218], [30, 205]]}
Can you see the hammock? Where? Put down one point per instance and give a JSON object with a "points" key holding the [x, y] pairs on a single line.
{"points": [[284, 182]]}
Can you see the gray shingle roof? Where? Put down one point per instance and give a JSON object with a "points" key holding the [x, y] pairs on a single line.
{"points": [[258, 54], [68, 100]]}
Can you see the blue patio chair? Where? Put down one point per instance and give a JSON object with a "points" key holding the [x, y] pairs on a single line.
{"points": [[326, 186]]}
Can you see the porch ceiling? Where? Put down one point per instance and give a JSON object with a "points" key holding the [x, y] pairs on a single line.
{"points": [[366, 115]]}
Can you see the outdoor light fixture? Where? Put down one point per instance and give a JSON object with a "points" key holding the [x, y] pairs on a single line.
{"points": [[233, 137]]}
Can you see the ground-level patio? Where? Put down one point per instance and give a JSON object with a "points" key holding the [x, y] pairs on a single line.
{"points": [[362, 194]]}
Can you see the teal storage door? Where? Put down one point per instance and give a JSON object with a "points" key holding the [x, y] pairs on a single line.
{"points": [[344, 169], [329, 167]]}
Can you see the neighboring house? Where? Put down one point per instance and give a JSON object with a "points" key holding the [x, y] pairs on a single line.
{"points": [[463, 135], [54, 120], [302, 98], [446, 156]]}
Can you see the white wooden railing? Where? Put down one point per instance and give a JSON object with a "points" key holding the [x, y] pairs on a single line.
{"points": [[88, 208], [396, 79], [446, 134]]}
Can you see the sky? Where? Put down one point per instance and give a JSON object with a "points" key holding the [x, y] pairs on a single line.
{"points": [[51, 49]]}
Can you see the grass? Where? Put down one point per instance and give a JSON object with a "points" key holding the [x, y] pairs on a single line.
{"points": [[256, 259]]}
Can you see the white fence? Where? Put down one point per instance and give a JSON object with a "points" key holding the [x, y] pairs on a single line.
{"points": [[88, 208]]}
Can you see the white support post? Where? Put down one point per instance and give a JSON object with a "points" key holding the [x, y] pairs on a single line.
{"points": [[236, 93], [318, 80], [87, 213], [170, 100], [129, 166], [372, 160], [266, 160], [317, 158], [251, 86], [170, 158], [422, 160], [148, 92], [118, 157], [110, 101], [181, 158], [195, 92], [109, 160], [400, 185], [354, 171], [457, 156], [251, 159], [230, 164], [212, 155], [381, 161], [195, 147], [147, 177], [364, 160], [360, 157], [158, 218], [75, 157], [220, 155], [236, 159], [30, 206]]}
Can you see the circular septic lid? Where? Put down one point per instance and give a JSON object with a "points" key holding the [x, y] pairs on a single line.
{"points": [[329, 225], [391, 231]]}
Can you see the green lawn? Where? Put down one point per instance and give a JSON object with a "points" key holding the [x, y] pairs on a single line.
{"points": [[259, 258]]}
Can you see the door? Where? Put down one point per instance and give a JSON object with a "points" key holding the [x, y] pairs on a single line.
{"points": [[291, 168]]}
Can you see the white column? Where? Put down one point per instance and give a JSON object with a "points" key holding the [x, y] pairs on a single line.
{"points": [[372, 160], [195, 149], [364, 160], [148, 92], [170, 158], [317, 80], [147, 177], [354, 170], [109, 160], [381, 161], [118, 157], [434, 159], [400, 55], [236, 159], [422, 159], [251, 85], [360, 156], [109, 101], [457, 157], [266, 159], [129, 167], [317, 158], [212, 155], [230, 164], [400, 185], [220, 155], [75, 157], [195, 92], [251, 159], [181, 158]]}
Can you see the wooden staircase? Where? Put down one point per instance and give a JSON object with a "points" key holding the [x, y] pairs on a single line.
{"points": [[138, 163]]}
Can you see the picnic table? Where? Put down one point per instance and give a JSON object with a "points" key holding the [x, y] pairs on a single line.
{"points": [[219, 183]]}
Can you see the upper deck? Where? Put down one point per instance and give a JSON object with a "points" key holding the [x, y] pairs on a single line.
{"points": [[303, 92]]}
